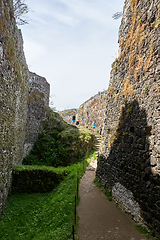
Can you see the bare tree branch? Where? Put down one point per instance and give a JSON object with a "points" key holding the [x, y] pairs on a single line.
{"points": [[117, 15], [20, 9]]}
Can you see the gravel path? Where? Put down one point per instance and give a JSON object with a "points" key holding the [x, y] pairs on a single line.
{"points": [[99, 218]]}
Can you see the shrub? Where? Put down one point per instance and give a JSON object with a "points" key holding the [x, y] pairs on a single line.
{"points": [[34, 179]]}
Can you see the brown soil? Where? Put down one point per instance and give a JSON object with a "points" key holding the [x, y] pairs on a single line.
{"points": [[100, 218]]}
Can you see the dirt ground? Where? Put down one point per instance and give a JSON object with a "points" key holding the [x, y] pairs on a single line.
{"points": [[99, 218]]}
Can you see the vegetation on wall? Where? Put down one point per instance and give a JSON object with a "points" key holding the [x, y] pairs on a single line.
{"points": [[127, 88], [133, 4], [132, 48]]}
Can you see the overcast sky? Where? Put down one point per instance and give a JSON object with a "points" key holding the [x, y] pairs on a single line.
{"points": [[72, 43]]}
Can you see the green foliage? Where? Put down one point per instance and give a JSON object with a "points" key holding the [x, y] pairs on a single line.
{"points": [[129, 110], [157, 24], [31, 179], [60, 144], [117, 206], [104, 190], [43, 216], [143, 230], [94, 155], [118, 133], [115, 68], [125, 133], [146, 88]]}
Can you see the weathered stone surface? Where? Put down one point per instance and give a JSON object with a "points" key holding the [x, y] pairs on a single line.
{"points": [[13, 97], [92, 110], [129, 154], [122, 195], [153, 161], [67, 114], [39, 90], [14, 104]]}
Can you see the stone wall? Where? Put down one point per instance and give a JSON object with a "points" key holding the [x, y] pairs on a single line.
{"points": [[23, 99], [67, 114], [91, 110], [129, 158], [39, 90], [13, 97]]}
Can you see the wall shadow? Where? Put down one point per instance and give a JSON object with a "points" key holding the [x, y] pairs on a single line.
{"points": [[129, 163]]}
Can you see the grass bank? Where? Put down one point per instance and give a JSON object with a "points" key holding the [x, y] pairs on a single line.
{"points": [[47, 216]]}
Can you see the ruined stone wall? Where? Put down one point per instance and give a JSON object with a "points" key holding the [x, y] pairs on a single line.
{"points": [[23, 99], [90, 111], [13, 97], [129, 159], [93, 110], [67, 114], [39, 90]]}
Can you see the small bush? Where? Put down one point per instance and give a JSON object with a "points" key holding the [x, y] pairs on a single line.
{"points": [[35, 179]]}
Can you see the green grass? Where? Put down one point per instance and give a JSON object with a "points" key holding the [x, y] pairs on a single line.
{"points": [[144, 231], [94, 155], [99, 185], [117, 206], [36, 179], [40, 216]]}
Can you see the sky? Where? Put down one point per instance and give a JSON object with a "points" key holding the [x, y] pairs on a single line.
{"points": [[72, 43]]}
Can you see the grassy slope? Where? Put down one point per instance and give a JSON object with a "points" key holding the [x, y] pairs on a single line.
{"points": [[42, 216], [60, 144], [49, 215]]}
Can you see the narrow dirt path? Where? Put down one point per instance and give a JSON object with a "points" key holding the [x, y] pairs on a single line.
{"points": [[99, 218]]}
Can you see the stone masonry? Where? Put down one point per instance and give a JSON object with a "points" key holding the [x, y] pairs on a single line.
{"points": [[129, 157], [38, 101], [13, 97], [91, 110], [21, 93], [67, 114]]}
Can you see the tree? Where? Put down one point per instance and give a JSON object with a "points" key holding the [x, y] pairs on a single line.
{"points": [[20, 9], [117, 15]]}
